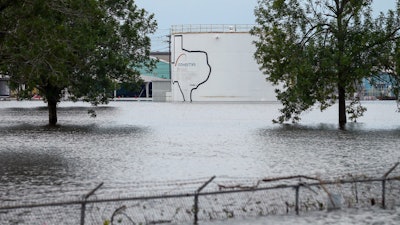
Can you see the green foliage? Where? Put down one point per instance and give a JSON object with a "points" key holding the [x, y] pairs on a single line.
{"points": [[84, 46], [317, 51], [355, 110]]}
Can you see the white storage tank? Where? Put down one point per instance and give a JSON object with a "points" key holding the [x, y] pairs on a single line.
{"points": [[216, 63]]}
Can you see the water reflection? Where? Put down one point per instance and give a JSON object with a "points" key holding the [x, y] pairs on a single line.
{"points": [[130, 141], [80, 151], [323, 149], [36, 113], [24, 166], [81, 146]]}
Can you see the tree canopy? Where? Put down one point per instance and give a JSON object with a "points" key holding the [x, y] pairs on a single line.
{"points": [[319, 52], [84, 47]]}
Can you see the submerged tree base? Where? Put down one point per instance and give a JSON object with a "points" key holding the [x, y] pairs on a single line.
{"points": [[319, 52]]}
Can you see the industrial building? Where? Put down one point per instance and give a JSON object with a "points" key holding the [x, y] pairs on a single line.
{"points": [[379, 87], [156, 82], [211, 63]]}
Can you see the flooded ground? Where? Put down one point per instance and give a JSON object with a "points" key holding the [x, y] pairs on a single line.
{"points": [[144, 141], [372, 216]]}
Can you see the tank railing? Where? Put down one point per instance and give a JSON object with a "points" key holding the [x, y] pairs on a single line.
{"points": [[211, 28]]}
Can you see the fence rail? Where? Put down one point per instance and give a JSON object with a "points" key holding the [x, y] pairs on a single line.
{"points": [[214, 199]]}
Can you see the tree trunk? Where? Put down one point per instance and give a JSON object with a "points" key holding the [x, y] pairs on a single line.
{"points": [[341, 37], [342, 108], [52, 105]]}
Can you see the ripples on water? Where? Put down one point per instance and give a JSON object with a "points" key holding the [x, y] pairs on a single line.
{"points": [[133, 142], [325, 150]]}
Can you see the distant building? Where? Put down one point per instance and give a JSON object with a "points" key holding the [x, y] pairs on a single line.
{"points": [[381, 88], [159, 76]]}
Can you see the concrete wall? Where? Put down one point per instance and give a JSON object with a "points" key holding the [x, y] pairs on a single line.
{"points": [[160, 90], [214, 66], [4, 88]]}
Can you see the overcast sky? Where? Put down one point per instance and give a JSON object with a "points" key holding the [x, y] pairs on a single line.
{"points": [[178, 12]]}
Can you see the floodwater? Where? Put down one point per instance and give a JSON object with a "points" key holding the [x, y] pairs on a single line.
{"points": [[145, 141]]}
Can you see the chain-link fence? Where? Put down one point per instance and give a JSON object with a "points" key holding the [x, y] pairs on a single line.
{"points": [[214, 198]]}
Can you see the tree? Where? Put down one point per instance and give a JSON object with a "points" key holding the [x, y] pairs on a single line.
{"points": [[319, 51], [84, 47]]}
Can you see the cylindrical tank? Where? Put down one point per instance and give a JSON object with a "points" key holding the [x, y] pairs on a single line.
{"points": [[216, 64]]}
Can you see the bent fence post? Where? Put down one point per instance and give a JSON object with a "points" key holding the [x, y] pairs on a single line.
{"points": [[196, 199], [297, 199], [384, 184], [85, 197]]}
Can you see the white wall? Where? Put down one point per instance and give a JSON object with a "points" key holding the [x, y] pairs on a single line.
{"points": [[232, 73], [4, 88], [160, 89]]}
